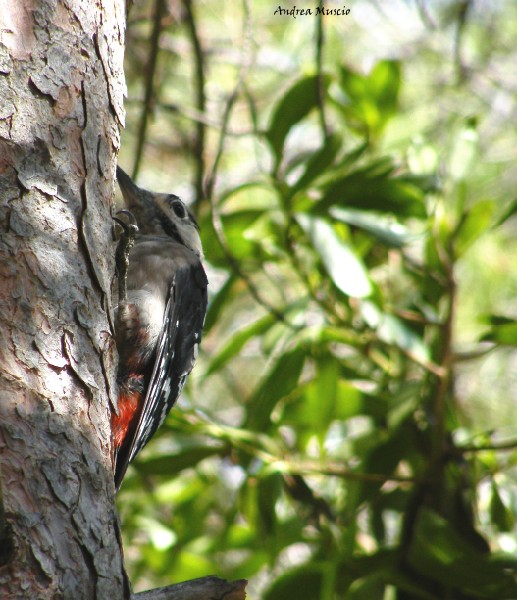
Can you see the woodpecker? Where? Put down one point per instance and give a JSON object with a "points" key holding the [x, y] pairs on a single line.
{"points": [[160, 315]]}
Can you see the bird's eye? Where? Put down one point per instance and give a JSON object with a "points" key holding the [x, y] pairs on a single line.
{"points": [[179, 210]]}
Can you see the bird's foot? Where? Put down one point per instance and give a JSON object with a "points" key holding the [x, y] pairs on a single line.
{"points": [[126, 242]]}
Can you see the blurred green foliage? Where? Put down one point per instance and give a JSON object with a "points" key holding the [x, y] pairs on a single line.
{"points": [[347, 432]]}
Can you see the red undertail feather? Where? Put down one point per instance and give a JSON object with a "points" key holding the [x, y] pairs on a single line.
{"points": [[128, 404]]}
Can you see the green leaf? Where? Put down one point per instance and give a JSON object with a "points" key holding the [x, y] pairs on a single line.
{"points": [[322, 335], [192, 565], [172, 464], [382, 459], [269, 490], [508, 212], [294, 105], [237, 341], [320, 404], [392, 330], [368, 101], [475, 223], [384, 85], [249, 564], [404, 404], [464, 152], [235, 225], [384, 229], [366, 588], [306, 581], [218, 302], [372, 569], [315, 411], [353, 156], [381, 193], [161, 536], [502, 331], [281, 380], [353, 84], [500, 515], [250, 195], [339, 260], [350, 402], [318, 162], [422, 157], [437, 551]]}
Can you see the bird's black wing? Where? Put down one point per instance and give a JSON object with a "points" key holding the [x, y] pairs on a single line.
{"points": [[176, 354]]}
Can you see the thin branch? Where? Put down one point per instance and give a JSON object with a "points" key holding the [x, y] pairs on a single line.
{"points": [[243, 69], [205, 588], [320, 40], [428, 365], [199, 140], [440, 451], [426, 18], [496, 447], [463, 8], [414, 317], [212, 176], [255, 445], [473, 354], [236, 268], [338, 470], [445, 359], [150, 74], [299, 490], [324, 302], [194, 115]]}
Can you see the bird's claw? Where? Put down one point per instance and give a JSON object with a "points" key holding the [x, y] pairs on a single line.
{"points": [[130, 228], [126, 242]]}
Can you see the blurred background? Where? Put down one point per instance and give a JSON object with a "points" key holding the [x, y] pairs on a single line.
{"points": [[349, 430]]}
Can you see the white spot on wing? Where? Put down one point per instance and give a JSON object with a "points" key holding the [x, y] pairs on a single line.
{"points": [[167, 387], [165, 410]]}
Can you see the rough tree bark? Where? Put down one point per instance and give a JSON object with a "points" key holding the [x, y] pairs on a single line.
{"points": [[61, 106]]}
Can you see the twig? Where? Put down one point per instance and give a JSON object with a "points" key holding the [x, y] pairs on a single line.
{"points": [[212, 177], [205, 588], [414, 317], [320, 39], [337, 470], [425, 16], [445, 358], [199, 140], [194, 115], [243, 69], [440, 451], [236, 268], [497, 447], [463, 8], [150, 72], [473, 354], [428, 365], [251, 443], [325, 303], [299, 490]]}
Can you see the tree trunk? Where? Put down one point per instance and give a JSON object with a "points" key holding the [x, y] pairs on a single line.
{"points": [[61, 93]]}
